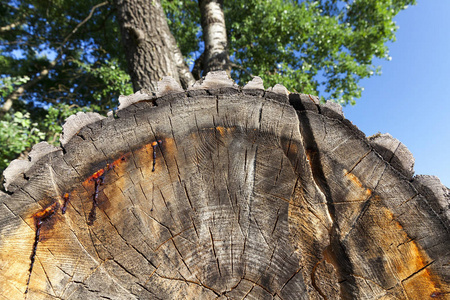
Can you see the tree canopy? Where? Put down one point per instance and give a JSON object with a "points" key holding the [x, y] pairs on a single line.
{"points": [[61, 56]]}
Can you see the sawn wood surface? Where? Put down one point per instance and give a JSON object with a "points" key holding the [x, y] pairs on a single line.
{"points": [[255, 194]]}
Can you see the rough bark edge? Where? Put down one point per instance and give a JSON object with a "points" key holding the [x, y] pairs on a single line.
{"points": [[437, 194], [391, 150], [142, 95], [16, 174], [75, 123], [215, 83], [394, 152]]}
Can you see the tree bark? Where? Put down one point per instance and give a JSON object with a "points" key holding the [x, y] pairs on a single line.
{"points": [[215, 57], [151, 49], [222, 192]]}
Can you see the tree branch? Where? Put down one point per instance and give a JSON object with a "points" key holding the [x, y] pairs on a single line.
{"points": [[235, 66], [83, 22], [10, 26], [44, 72], [21, 89]]}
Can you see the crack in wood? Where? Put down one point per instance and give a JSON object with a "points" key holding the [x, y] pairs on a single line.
{"points": [[418, 271], [154, 145], [313, 279], [214, 251], [66, 198], [217, 293], [172, 237], [39, 217]]}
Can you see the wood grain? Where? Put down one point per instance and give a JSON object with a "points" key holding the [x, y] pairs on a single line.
{"points": [[255, 195]]}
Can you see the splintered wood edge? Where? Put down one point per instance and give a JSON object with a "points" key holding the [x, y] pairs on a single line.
{"points": [[168, 85], [17, 169], [255, 84], [213, 80], [431, 187], [142, 95], [75, 122], [279, 89], [394, 152], [14, 171]]}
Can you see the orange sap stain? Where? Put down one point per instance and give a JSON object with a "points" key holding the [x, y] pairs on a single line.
{"points": [[96, 175], [423, 283], [221, 130], [411, 263], [224, 130], [357, 182], [46, 212], [116, 163], [168, 145]]}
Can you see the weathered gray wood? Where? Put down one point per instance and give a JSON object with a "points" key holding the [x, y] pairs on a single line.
{"points": [[142, 95], [76, 122], [255, 84], [216, 82], [167, 86], [394, 152], [18, 172], [254, 195]]}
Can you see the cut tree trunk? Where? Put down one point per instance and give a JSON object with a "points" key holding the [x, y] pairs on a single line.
{"points": [[222, 192]]}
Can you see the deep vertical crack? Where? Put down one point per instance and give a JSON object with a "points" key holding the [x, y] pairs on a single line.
{"points": [[343, 263]]}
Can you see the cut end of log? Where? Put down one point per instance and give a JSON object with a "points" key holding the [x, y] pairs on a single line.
{"points": [[222, 192], [432, 188], [75, 122], [41, 149], [333, 109], [278, 92], [279, 89]]}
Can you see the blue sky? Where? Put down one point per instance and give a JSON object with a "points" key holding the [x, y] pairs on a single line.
{"points": [[411, 99]]}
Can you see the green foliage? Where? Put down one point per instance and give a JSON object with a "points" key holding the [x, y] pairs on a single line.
{"points": [[17, 134], [183, 18], [79, 58], [8, 84], [55, 117], [318, 47], [322, 47], [112, 81]]}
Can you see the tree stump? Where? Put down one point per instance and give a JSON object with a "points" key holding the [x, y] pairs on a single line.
{"points": [[222, 192]]}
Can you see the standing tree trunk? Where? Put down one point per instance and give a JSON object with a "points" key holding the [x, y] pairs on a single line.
{"points": [[150, 47], [222, 192], [215, 56]]}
